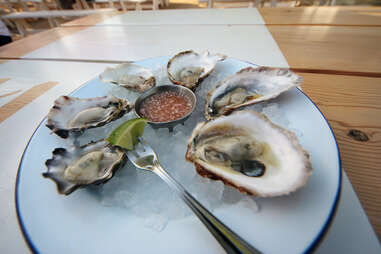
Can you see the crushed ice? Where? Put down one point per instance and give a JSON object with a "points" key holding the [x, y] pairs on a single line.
{"points": [[145, 195]]}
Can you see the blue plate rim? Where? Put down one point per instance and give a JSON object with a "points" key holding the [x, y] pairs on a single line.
{"points": [[312, 247]]}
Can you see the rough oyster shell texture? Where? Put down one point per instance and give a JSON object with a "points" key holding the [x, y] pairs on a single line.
{"points": [[248, 86], [233, 148], [70, 114], [189, 68], [130, 76], [77, 167]]}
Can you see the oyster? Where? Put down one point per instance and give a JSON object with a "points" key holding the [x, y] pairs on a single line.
{"points": [[250, 153], [70, 114], [188, 68], [93, 163], [248, 86], [130, 76]]}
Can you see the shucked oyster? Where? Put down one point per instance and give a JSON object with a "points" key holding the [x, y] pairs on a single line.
{"points": [[249, 152], [248, 86], [130, 76], [70, 114], [93, 163], [188, 68]]}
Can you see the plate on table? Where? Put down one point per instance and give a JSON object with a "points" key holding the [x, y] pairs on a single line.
{"points": [[88, 221]]}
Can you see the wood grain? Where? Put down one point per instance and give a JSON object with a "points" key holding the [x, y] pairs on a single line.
{"points": [[36, 41], [354, 16], [3, 80], [354, 103], [10, 93], [332, 16], [338, 48], [91, 19], [24, 99]]}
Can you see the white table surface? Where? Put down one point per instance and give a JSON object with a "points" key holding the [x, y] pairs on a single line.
{"points": [[350, 232], [236, 16], [20, 126], [252, 43]]}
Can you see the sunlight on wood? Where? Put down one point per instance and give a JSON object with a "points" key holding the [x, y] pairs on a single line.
{"points": [[2, 80], [371, 13], [24, 99], [195, 2]]}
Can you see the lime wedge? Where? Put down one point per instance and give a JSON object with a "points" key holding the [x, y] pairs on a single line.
{"points": [[126, 135]]}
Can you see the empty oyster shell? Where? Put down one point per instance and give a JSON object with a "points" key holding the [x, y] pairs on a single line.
{"points": [[93, 163], [130, 76], [248, 86], [70, 114], [250, 153], [189, 68]]}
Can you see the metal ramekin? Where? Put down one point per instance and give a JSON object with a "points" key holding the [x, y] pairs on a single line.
{"points": [[186, 92]]}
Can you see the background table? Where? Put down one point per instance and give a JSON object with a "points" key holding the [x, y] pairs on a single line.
{"points": [[335, 49]]}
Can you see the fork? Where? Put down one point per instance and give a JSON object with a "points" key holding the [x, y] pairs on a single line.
{"points": [[144, 157]]}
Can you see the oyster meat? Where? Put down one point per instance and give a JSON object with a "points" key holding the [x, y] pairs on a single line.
{"points": [[93, 163], [250, 153], [130, 76], [70, 114], [248, 86], [189, 68]]}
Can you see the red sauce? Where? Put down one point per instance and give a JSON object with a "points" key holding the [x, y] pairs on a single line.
{"points": [[165, 106]]}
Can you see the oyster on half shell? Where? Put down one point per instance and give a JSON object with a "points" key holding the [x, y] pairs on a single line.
{"points": [[189, 68], [70, 114], [130, 76], [248, 86], [250, 153], [76, 167]]}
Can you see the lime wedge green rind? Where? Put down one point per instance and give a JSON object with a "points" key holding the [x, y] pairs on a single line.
{"points": [[126, 135]]}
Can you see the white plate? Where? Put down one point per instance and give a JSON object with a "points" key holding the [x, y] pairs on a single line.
{"points": [[78, 223]]}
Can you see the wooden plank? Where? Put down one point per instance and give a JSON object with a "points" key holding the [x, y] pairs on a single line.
{"points": [[91, 19], [53, 13], [354, 103], [36, 41], [349, 50], [230, 16], [132, 43], [24, 99], [322, 15], [3, 80]]}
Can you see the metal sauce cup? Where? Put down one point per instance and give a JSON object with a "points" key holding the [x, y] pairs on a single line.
{"points": [[181, 90]]}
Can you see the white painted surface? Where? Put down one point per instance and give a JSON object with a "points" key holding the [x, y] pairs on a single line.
{"points": [[241, 16], [14, 87], [17, 129], [252, 43], [351, 232], [54, 13]]}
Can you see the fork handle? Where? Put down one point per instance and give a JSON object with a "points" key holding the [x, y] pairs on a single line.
{"points": [[229, 240]]}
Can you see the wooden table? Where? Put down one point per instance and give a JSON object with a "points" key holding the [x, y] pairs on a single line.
{"points": [[335, 49]]}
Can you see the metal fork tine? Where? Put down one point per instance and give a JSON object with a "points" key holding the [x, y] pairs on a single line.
{"points": [[146, 146], [139, 148]]}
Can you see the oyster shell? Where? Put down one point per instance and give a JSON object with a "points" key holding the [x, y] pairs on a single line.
{"points": [[248, 86], [70, 114], [130, 76], [76, 167], [189, 68], [250, 153]]}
